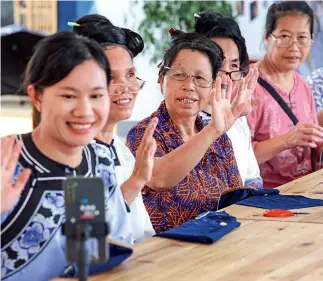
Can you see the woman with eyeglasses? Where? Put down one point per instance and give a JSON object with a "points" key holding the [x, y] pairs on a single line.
{"points": [[194, 163], [283, 150], [121, 45], [226, 33]]}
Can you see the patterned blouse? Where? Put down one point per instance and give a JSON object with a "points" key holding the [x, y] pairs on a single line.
{"points": [[315, 80], [200, 190]]}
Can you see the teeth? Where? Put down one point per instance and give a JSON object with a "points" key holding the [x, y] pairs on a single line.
{"points": [[186, 100], [123, 101], [81, 127]]}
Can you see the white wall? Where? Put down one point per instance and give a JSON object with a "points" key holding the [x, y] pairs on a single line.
{"points": [[253, 30], [150, 97]]}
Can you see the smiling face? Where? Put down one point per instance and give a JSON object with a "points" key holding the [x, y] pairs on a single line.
{"points": [[297, 27], [74, 110], [184, 98], [122, 72]]}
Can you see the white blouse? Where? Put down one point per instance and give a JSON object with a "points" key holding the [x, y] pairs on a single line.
{"points": [[140, 221]]}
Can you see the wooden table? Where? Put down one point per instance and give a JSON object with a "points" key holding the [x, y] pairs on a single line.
{"points": [[258, 250]]}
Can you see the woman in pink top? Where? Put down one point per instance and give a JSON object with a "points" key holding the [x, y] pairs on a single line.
{"points": [[283, 150]]}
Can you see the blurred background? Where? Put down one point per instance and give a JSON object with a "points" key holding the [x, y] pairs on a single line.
{"points": [[24, 23]]}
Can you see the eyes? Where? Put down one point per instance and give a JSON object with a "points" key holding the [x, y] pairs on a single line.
{"points": [[299, 38], [130, 75], [73, 96]]}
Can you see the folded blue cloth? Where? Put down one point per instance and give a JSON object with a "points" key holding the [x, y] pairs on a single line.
{"points": [[279, 201], [117, 255], [206, 228], [240, 194]]}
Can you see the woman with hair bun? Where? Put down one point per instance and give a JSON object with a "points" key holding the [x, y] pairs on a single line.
{"points": [[226, 33], [121, 45]]}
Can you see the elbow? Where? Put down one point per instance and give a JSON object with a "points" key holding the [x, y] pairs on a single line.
{"points": [[158, 183]]}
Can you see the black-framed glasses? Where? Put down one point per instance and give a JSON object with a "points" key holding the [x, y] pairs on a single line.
{"points": [[286, 41], [234, 75], [181, 74], [133, 87]]}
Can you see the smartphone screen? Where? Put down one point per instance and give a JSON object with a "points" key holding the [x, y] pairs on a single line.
{"points": [[84, 200]]}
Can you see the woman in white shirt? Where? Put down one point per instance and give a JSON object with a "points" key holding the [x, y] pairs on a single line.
{"points": [[121, 46], [226, 33]]}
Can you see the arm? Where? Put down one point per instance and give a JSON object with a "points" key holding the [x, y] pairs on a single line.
{"points": [[268, 149], [173, 167], [320, 117], [253, 177], [182, 160]]}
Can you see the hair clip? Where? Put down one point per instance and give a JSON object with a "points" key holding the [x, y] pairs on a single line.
{"points": [[73, 24], [197, 15], [171, 31]]}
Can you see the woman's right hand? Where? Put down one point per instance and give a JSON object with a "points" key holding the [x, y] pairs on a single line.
{"points": [[305, 135], [10, 193]]}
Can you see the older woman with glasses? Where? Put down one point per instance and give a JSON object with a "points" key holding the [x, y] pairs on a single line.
{"points": [[226, 33], [121, 45], [194, 163], [282, 149]]}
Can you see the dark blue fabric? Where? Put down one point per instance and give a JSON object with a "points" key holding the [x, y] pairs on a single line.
{"points": [[204, 229], [117, 255], [279, 201], [243, 193]]}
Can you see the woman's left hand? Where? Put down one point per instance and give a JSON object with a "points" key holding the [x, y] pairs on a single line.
{"points": [[145, 155], [245, 92]]}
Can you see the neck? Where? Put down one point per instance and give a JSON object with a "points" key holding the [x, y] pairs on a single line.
{"points": [[106, 133], [185, 125], [276, 75], [56, 150]]}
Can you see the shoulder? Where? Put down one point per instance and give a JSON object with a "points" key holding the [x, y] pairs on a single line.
{"points": [[99, 150], [122, 150]]}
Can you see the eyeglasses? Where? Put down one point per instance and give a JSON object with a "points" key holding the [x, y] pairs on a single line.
{"points": [[181, 74], [234, 75], [286, 41], [132, 88]]}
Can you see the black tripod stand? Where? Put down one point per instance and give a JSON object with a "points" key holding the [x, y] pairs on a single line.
{"points": [[77, 235]]}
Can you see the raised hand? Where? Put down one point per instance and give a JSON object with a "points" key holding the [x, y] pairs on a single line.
{"points": [[10, 193], [245, 91], [145, 155], [224, 113], [303, 134]]}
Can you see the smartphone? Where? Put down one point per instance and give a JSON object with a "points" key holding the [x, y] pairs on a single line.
{"points": [[85, 207]]}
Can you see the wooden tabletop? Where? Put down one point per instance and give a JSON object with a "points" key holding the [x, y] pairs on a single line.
{"points": [[315, 214], [282, 250]]}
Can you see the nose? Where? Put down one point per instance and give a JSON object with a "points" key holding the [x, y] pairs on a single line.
{"points": [[83, 107], [294, 46], [188, 84]]}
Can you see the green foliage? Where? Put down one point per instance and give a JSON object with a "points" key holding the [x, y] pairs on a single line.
{"points": [[162, 15]]}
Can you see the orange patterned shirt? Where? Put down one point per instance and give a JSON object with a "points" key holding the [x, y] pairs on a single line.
{"points": [[199, 191]]}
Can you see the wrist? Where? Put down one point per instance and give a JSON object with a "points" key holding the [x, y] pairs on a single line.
{"points": [[283, 141], [212, 131]]}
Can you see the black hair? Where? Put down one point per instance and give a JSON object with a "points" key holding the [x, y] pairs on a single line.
{"points": [[100, 29], [213, 25], [283, 8], [56, 56], [193, 41]]}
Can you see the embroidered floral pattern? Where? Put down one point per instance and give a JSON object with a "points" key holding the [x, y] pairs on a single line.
{"points": [[47, 219]]}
